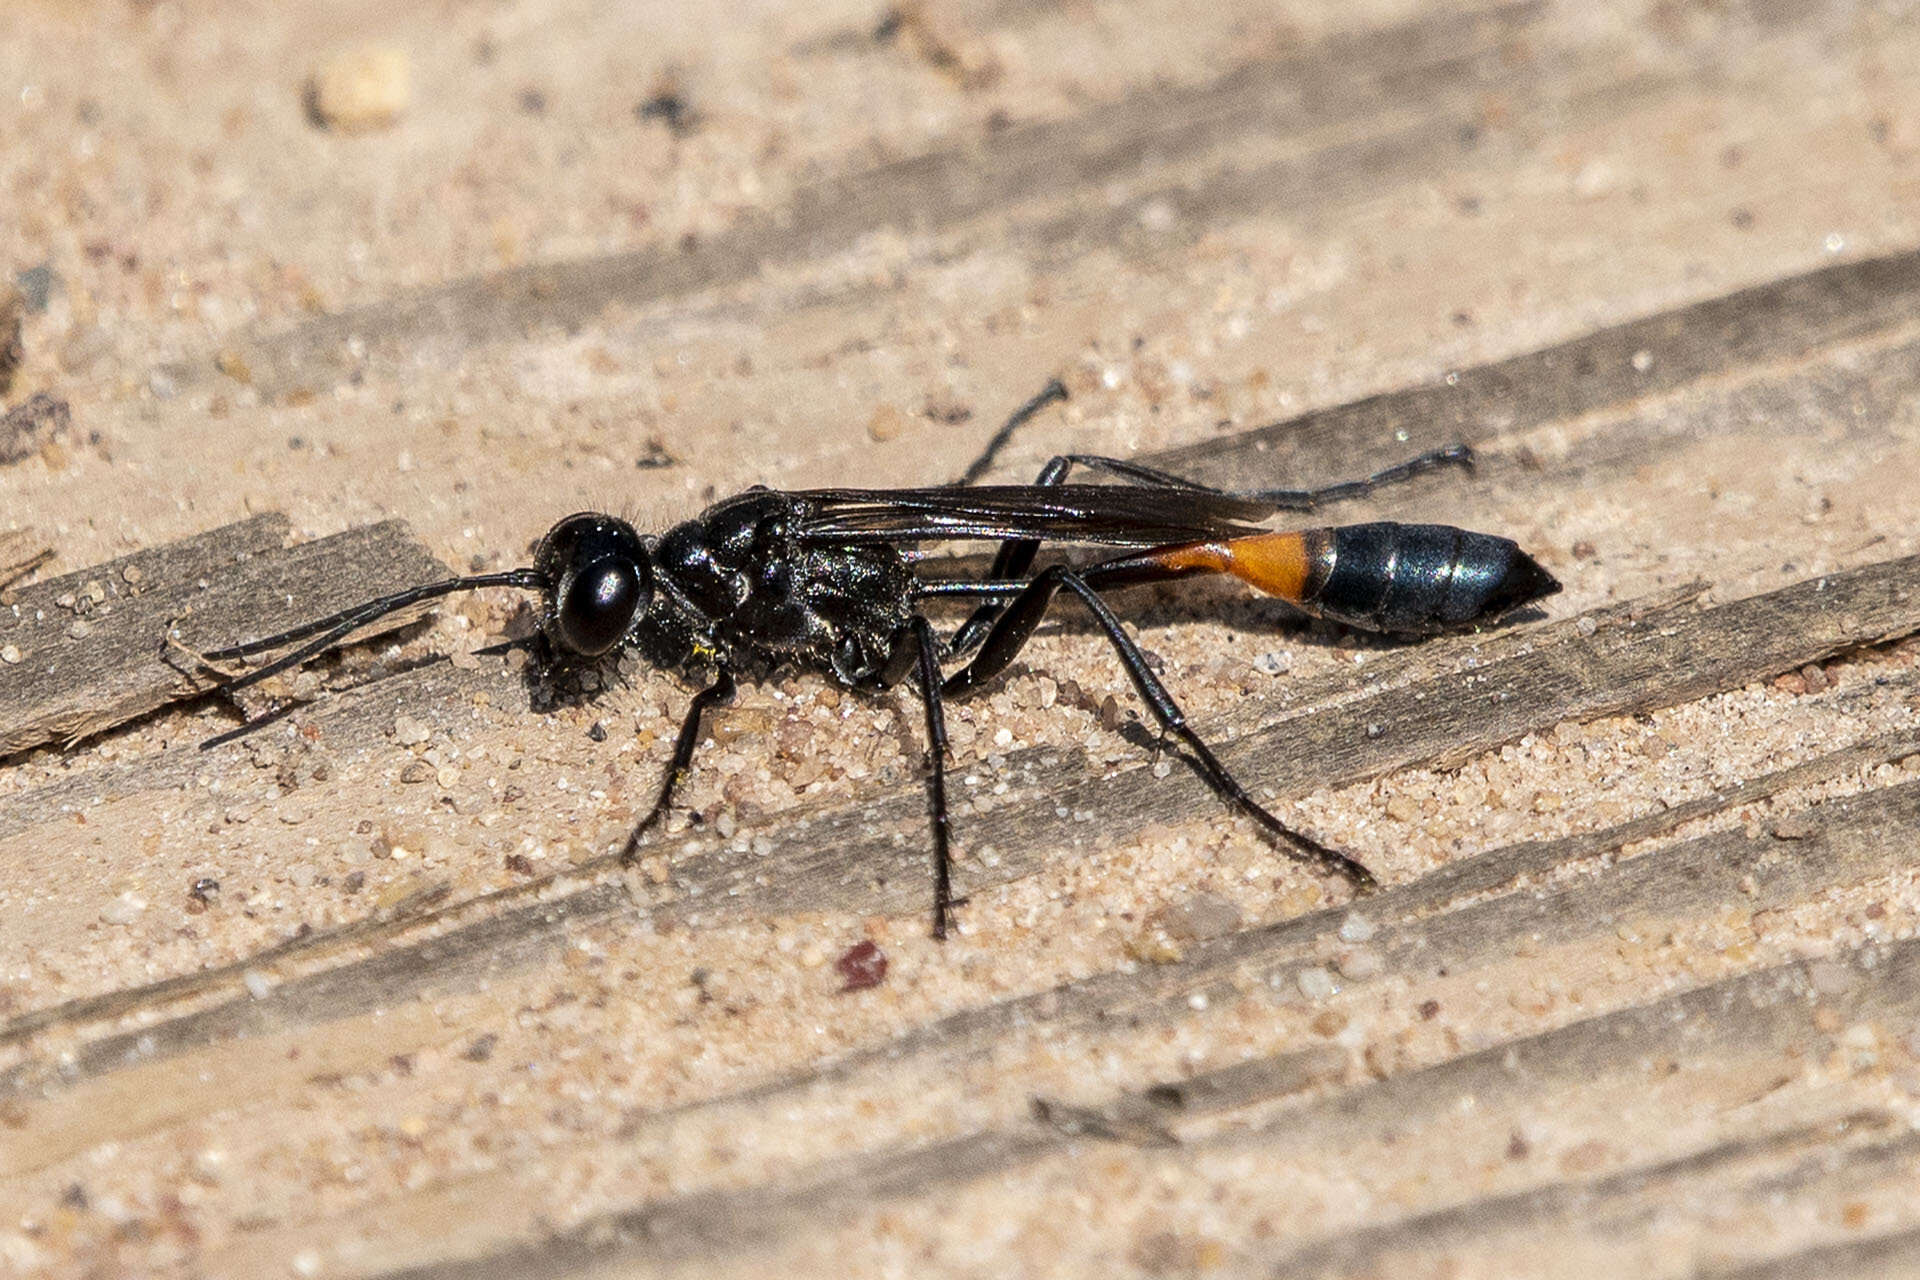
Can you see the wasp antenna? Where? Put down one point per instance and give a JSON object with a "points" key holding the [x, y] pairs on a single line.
{"points": [[331, 630]]}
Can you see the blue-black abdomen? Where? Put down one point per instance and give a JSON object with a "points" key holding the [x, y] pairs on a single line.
{"points": [[1421, 578]]}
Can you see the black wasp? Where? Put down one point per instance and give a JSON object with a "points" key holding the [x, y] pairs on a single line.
{"points": [[826, 579]]}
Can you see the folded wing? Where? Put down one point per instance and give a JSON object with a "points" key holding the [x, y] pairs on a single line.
{"points": [[1109, 515]]}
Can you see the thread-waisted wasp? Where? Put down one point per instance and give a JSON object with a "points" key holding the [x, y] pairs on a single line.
{"points": [[826, 579]]}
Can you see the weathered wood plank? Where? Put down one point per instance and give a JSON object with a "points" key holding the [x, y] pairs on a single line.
{"points": [[1746, 1171], [1892, 1255], [1745, 1026], [21, 552], [66, 685], [1360, 85], [1626, 663], [1716, 349], [1290, 945], [475, 941], [1260, 209], [92, 645], [1324, 128], [1861, 839]]}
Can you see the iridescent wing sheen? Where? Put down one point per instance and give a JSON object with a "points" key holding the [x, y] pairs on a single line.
{"points": [[1110, 515]]}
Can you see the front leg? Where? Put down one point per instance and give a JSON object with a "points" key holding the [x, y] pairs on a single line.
{"points": [[717, 694]]}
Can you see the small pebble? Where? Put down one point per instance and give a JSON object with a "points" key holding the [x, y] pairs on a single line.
{"points": [[1315, 984], [1360, 965], [1153, 946], [741, 724], [1830, 978], [124, 909], [1329, 1022], [208, 1166], [360, 91], [1860, 1035], [1276, 663], [1197, 918], [1356, 928]]}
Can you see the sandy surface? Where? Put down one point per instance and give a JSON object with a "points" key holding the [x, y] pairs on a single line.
{"points": [[856, 245]]}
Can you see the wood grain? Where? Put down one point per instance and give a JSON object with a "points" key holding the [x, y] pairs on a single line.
{"points": [[94, 648], [1638, 994]]}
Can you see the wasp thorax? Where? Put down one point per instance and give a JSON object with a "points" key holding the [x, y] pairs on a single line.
{"points": [[598, 582]]}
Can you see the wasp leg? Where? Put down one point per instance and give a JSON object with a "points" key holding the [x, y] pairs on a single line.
{"points": [[1011, 632], [1453, 455], [930, 693], [717, 694], [1054, 390], [254, 725], [1013, 560]]}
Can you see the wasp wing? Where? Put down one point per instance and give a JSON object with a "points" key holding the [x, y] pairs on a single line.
{"points": [[1111, 515]]}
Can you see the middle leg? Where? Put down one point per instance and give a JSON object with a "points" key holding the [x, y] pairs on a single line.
{"points": [[930, 693]]}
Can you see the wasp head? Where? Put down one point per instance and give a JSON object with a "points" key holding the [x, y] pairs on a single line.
{"points": [[596, 580]]}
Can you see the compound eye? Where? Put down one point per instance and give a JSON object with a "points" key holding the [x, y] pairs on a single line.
{"points": [[597, 605]]}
